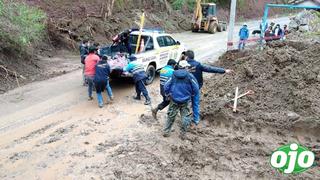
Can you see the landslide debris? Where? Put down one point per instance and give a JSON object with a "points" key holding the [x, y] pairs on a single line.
{"points": [[285, 78]]}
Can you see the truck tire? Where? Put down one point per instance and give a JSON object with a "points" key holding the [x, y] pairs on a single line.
{"points": [[212, 28], [219, 28], [151, 74], [224, 28]]}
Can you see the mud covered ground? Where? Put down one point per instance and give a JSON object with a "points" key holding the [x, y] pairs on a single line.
{"points": [[38, 68], [123, 141]]}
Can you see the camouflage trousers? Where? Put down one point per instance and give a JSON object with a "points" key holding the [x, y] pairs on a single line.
{"points": [[174, 109]]}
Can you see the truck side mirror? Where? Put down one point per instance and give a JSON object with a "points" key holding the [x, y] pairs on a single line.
{"points": [[178, 43]]}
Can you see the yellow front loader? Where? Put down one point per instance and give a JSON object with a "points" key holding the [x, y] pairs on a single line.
{"points": [[205, 19]]}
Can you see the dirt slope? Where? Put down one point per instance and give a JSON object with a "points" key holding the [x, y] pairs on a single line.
{"points": [[285, 78]]}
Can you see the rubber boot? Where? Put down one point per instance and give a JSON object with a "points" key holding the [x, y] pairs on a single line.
{"points": [[137, 97], [154, 112]]}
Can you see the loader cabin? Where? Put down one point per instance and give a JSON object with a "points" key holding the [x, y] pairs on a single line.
{"points": [[208, 9]]}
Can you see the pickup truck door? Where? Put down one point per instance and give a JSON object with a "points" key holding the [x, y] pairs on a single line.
{"points": [[168, 49], [147, 54]]}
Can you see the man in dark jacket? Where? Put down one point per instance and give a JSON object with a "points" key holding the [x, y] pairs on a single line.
{"points": [[180, 88], [268, 34], [278, 32], [139, 77], [84, 51], [197, 69], [165, 74], [101, 80]]}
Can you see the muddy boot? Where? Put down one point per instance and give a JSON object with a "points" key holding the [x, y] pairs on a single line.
{"points": [[154, 112], [166, 134], [137, 98], [147, 102], [193, 127], [182, 136], [90, 98]]}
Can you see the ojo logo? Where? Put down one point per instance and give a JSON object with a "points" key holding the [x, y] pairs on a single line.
{"points": [[292, 158]]}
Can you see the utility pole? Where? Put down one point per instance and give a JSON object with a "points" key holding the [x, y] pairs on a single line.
{"points": [[231, 24]]}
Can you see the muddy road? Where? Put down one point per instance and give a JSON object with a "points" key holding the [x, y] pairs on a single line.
{"points": [[49, 130]]}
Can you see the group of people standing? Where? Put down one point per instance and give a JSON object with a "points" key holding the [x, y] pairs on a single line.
{"points": [[180, 84], [273, 32], [96, 72]]}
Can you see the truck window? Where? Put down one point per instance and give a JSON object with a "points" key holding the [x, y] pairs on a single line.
{"points": [[166, 41], [161, 41], [169, 41], [148, 43]]}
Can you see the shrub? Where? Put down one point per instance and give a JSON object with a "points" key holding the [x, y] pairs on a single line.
{"points": [[21, 23]]}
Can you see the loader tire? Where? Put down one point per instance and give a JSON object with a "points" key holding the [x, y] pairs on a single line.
{"points": [[212, 28], [224, 28], [193, 29], [219, 28]]}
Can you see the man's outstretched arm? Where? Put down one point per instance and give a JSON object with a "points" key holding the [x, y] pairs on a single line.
{"points": [[213, 69]]}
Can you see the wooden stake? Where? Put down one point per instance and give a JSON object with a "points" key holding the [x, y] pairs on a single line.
{"points": [[250, 92], [235, 100]]}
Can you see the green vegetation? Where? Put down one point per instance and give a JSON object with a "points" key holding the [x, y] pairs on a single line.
{"points": [[20, 24]]}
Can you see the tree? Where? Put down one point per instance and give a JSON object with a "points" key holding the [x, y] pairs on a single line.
{"points": [[109, 4]]}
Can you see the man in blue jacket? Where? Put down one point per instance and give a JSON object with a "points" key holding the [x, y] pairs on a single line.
{"points": [[244, 35], [180, 88], [165, 74], [197, 69], [139, 77], [101, 80]]}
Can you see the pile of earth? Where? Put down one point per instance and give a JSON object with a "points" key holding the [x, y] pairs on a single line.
{"points": [[285, 78], [283, 109]]}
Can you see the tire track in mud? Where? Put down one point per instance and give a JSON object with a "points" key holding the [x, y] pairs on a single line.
{"points": [[64, 139]]}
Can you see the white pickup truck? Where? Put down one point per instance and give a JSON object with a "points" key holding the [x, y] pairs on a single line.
{"points": [[156, 48]]}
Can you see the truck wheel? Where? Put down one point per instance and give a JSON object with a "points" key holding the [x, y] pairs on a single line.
{"points": [[219, 28], [151, 74], [224, 28], [212, 28]]}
